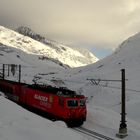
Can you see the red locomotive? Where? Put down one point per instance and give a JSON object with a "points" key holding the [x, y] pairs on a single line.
{"points": [[61, 103]]}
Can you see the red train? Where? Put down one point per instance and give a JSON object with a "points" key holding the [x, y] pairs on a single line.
{"points": [[60, 103]]}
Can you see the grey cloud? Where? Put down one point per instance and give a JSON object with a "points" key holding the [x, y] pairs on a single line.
{"points": [[75, 21]]}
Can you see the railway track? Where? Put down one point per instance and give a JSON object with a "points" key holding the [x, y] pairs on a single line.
{"points": [[92, 134]]}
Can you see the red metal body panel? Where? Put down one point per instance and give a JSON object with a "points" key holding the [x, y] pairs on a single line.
{"points": [[50, 103], [54, 104], [12, 90]]}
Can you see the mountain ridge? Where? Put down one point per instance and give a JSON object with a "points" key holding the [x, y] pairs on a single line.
{"points": [[88, 56]]}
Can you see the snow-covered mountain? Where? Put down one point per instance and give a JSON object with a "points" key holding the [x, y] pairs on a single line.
{"points": [[85, 58], [47, 50], [69, 56], [104, 100], [16, 48]]}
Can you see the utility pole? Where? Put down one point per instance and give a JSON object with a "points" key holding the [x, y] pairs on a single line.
{"points": [[3, 71], [123, 126], [8, 69], [19, 80]]}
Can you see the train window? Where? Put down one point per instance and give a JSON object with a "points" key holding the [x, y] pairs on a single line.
{"points": [[82, 102], [72, 103]]}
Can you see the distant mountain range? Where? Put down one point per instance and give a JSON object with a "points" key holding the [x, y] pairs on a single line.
{"points": [[75, 57], [31, 43], [48, 64]]}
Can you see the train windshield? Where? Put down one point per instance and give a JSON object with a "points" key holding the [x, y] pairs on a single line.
{"points": [[82, 102], [72, 103]]}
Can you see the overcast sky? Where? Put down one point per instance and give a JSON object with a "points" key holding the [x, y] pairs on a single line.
{"points": [[99, 25]]}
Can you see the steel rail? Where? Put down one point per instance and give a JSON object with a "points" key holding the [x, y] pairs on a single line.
{"points": [[93, 134]]}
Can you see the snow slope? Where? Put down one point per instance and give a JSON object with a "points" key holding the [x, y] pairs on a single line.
{"points": [[31, 64], [53, 50], [88, 56], [107, 95], [16, 123], [104, 100]]}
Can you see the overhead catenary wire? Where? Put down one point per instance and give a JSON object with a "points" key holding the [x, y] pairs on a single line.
{"points": [[95, 82], [100, 85]]}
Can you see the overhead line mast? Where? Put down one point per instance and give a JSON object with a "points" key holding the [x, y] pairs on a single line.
{"points": [[13, 69], [123, 126]]}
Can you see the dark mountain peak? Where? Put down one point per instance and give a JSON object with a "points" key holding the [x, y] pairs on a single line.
{"points": [[30, 33]]}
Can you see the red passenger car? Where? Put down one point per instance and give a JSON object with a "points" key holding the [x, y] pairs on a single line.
{"points": [[60, 103]]}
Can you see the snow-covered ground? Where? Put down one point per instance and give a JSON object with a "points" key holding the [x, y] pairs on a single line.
{"points": [[16, 123], [103, 100]]}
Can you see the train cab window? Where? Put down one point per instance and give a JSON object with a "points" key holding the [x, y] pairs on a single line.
{"points": [[72, 103], [82, 102]]}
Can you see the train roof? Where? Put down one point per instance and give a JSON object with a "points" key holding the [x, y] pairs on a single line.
{"points": [[61, 91], [13, 82]]}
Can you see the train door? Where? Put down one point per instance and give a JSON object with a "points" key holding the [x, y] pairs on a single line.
{"points": [[23, 97]]}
